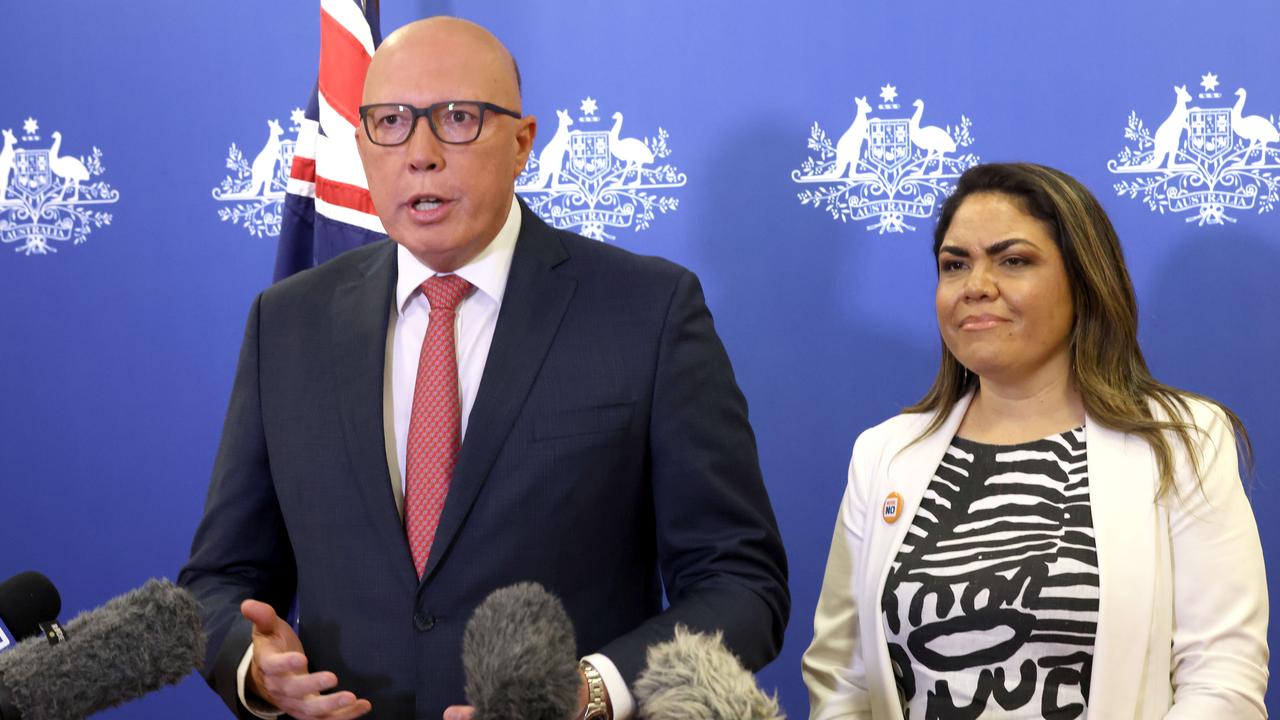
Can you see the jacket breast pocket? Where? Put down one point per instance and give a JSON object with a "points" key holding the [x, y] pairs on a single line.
{"points": [[598, 420]]}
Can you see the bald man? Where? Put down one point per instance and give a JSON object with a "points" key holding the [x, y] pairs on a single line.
{"points": [[601, 445]]}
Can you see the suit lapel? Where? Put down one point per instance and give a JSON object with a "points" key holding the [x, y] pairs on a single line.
{"points": [[359, 312], [1121, 492], [533, 305]]}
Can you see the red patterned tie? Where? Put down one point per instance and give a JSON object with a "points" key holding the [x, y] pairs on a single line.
{"points": [[435, 424]]}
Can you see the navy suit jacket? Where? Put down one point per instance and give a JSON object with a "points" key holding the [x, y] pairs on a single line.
{"points": [[608, 457]]}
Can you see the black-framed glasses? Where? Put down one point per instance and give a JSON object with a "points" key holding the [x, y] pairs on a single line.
{"points": [[456, 122]]}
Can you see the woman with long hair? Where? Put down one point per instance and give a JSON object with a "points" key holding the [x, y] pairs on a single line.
{"points": [[1050, 532]]}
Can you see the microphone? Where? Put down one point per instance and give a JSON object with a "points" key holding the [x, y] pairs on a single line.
{"points": [[520, 656], [136, 643], [27, 600], [694, 675]]}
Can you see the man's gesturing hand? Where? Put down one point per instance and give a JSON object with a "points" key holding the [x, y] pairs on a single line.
{"points": [[278, 672]]}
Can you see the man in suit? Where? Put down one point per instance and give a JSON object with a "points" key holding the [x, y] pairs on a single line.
{"points": [[589, 434]]}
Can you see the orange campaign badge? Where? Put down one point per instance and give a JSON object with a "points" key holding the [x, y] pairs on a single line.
{"points": [[892, 508]]}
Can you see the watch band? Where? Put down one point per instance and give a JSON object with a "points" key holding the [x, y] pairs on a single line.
{"points": [[597, 704]]}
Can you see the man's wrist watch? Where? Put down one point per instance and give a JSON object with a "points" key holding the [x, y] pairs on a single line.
{"points": [[597, 698]]}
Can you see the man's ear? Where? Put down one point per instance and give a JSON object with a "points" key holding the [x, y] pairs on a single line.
{"points": [[360, 139], [525, 134]]}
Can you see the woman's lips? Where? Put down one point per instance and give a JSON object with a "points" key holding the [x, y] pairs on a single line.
{"points": [[981, 322]]}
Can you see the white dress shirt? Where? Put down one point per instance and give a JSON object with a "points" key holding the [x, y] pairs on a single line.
{"points": [[475, 319]]}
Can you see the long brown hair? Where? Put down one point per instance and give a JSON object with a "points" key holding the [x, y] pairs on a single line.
{"points": [[1113, 379]]}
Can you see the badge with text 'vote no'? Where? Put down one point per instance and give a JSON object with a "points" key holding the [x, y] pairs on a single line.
{"points": [[892, 509]]}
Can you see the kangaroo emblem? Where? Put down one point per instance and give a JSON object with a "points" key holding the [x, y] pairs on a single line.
{"points": [[1170, 131], [849, 147], [551, 159], [6, 161], [264, 165]]}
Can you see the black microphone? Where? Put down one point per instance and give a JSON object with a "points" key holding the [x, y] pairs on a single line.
{"points": [[136, 643], [520, 656], [27, 600], [694, 675]]}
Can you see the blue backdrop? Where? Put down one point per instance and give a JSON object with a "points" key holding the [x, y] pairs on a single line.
{"points": [[125, 278]]}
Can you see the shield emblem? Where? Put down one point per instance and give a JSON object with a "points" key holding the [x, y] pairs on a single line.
{"points": [[286, 154], [1209, 135], [31, 171], [589, 156], [281, 180], [889, 142]]}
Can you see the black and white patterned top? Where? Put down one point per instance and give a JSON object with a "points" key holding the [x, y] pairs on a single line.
{"points": [[991, 605]]}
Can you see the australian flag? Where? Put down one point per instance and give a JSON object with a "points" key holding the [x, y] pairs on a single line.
{"points": [[327, 209]]}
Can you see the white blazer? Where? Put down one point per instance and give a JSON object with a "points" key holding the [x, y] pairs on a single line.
{"points": [[1182, 615]]}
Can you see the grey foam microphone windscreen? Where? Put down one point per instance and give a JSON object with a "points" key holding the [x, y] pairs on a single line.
{"points": [[695, 676], [136, 643], [520, 656]]}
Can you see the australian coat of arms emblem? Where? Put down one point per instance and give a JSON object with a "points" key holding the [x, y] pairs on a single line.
{"points": [[886, 167], [48, 197], [590, 180], [252, 196], [1207, 160]]}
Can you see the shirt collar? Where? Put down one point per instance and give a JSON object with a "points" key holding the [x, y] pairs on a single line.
{"points": [[487, 271]]}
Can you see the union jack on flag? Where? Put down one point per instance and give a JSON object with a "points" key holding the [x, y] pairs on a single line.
{"points": [[327, 208]]}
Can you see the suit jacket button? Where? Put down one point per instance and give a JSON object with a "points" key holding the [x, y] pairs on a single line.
{"points": [[423, 621]]}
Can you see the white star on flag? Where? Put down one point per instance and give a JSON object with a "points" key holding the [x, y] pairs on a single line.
{"points": [[30, 126], [588, 106], [888, 93], [1209, 82]]}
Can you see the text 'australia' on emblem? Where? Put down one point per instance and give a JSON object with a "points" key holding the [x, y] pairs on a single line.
{"points": [[45, 196], [1207, 159], [885, 168], [588, 179], [253, 195]]}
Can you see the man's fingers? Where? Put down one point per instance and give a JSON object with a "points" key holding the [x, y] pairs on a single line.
{"points": [[262, 615], [360, 707], [338, 706], [459, 712], [301, 687], [283, 663]]}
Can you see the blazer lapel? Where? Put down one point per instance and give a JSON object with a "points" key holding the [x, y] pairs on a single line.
{"points": [[359, 312], [910, 469], [532, 307], [1121, 497]]}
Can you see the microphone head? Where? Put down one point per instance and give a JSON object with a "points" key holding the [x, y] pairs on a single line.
{"points": [[520, 656], [694, 675], [136, 643], [26, 600]]}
